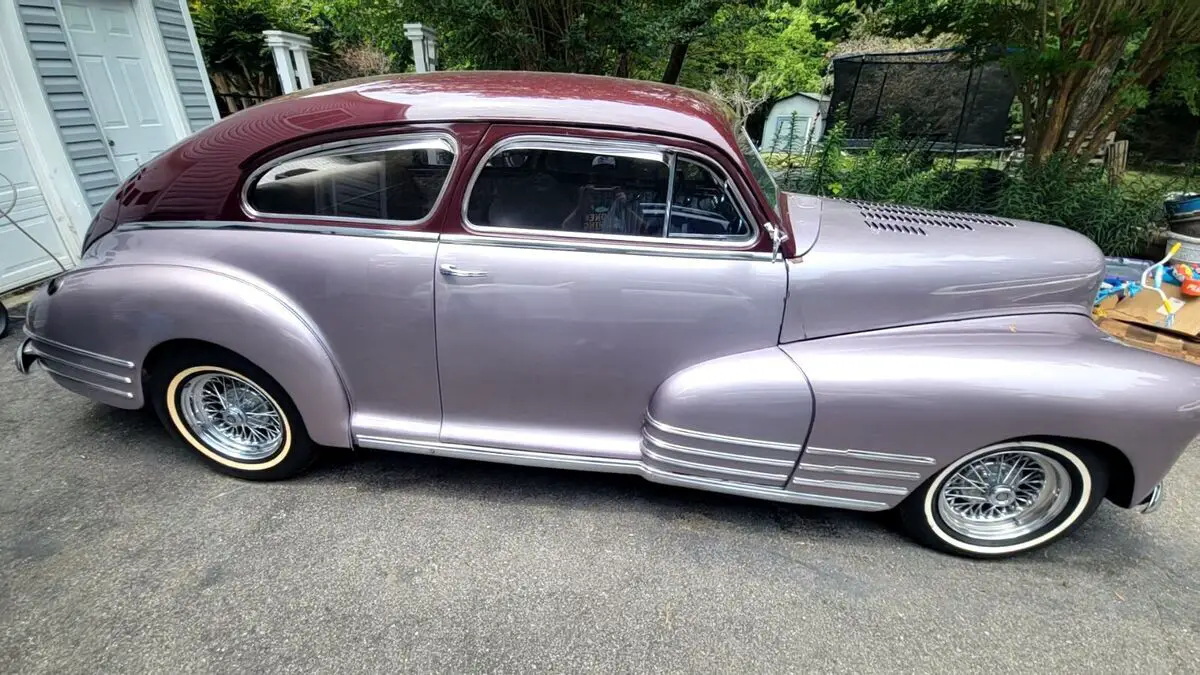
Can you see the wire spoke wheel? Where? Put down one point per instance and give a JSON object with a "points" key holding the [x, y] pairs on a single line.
{"points": [[1004, 495], [232, 416]]}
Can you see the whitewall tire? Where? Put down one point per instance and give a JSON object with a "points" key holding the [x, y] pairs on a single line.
{"points": [[1007, 498]]}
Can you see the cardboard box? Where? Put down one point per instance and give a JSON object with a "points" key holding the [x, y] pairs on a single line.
{"points": [[1146, 309]]}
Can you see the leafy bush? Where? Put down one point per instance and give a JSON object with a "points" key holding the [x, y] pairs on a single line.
{"points": [[1121, 216]]}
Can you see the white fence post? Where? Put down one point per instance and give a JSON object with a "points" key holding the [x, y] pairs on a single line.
{"points": [[289, 48], [424, 41]]}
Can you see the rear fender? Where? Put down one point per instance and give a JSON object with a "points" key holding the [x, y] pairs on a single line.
{"points": [[124, 311]]}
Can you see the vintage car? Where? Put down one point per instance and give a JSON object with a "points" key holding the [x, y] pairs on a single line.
{"points": [[601, 274]]}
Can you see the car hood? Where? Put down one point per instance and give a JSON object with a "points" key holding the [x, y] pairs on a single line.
{"points": [[863, 266]]}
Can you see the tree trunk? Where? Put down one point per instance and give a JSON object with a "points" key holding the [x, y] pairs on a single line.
{"points": [[675, 63], [623, 64]]}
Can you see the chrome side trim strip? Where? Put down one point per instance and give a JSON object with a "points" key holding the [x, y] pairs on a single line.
{"points": [[785, 463], [82, 352], [759, 492], [255, 226], [860, 471], [87, 369], [487, 239], [653, 474], [108, 390], [735, 440], [693, 466], [871, 456], [851, 486], [503, 455]]}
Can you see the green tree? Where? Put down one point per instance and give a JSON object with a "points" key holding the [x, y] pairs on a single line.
{"points": [[231, 39]]}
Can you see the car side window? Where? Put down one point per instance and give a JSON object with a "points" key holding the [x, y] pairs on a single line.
{"points": [[702, 205], [397, 181], [571, 191], [622, 190]]}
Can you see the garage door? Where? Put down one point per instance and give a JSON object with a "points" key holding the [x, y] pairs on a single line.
{"points": [[21, 262], [111, 53]]}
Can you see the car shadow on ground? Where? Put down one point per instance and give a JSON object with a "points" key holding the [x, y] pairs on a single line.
{"points": [[1111, 529]]}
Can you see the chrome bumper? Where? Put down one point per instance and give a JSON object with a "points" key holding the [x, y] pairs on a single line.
{"points": [[25, 356], [1151, 503]]}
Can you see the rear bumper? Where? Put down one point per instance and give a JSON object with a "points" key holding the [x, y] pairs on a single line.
{"points": [[25, 356], [1151, 503]]}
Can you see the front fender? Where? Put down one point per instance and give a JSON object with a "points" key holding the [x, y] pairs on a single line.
{"points": [[942, 390], [124, 311]]}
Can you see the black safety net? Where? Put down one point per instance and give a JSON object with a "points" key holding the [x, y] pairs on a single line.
{"points": [[942, 97]]}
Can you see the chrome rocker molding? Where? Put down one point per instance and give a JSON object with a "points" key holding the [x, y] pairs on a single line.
{"points": [[613, 465]]}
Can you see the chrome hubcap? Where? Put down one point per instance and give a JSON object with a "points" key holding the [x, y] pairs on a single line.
{"points": [[1004, 495], [232, 416]]}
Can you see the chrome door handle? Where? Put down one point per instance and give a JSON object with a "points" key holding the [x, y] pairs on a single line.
{"points": [[448, 270]]}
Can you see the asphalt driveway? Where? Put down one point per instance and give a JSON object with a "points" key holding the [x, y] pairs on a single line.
{"points": [[119, 552]]}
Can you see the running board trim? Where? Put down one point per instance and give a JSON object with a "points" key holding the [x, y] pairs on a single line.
{"points": [[612, 465]]}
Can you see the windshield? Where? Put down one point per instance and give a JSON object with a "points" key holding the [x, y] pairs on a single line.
{"points": [[759, 168]]}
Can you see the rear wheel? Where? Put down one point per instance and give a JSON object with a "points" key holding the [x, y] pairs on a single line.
{"points": [[1007, 499], [233, 414]]}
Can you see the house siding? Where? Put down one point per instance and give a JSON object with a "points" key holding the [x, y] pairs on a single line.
{"points": [[73, 115], [182, 56]]}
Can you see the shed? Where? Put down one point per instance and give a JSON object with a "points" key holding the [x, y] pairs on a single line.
{"points": [[89, 91], [808, 112]]}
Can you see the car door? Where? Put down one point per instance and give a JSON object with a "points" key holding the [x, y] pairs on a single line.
{"points": [[588, 270]]}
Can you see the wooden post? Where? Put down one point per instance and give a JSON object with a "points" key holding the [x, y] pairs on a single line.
{"points": [[1116, 156]]}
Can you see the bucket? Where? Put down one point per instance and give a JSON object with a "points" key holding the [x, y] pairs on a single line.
{"points": [[1189, 247], [1183, 214]]}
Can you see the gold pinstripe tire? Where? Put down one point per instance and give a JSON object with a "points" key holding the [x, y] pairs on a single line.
{"points": [[231, 413]]}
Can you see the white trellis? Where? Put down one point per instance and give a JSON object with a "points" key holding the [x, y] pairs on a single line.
{"points": [[291, 59]]}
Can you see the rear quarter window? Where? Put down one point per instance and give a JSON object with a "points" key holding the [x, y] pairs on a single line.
{"points": [[399, 180]]}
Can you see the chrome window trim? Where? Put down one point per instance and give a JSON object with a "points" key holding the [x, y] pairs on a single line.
{"points": [[254, 225], [632, 149], [591, 246], [410, 141]]}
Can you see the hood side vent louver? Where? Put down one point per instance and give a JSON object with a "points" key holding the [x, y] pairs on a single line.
{"points": [[884, 226], [917, 217]]}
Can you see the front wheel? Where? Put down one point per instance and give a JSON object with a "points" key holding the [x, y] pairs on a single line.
{"points": [[233, 414], [1007, 499]]}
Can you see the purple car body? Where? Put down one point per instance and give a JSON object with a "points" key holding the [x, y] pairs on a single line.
{"points": [[827, 352]]}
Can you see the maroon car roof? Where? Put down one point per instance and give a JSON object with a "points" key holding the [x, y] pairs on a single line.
{"points": [[511, 96], [197, 178]]}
